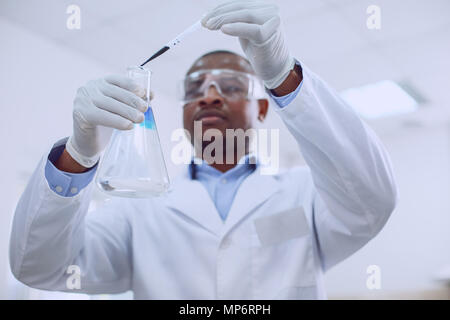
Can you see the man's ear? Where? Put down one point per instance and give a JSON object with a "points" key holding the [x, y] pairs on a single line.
{"points": [[263, 107]]}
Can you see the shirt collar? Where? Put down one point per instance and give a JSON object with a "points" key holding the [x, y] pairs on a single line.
{"points": [[250, 160]]}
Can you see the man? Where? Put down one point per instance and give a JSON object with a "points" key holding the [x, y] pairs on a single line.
{"points": [[225, 231]]}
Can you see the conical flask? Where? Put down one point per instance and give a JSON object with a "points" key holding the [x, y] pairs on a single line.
{"points": [[133, 164]]}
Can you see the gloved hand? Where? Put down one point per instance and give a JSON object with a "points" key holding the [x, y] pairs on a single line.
{"points": [[257, 24], [99, 106]]}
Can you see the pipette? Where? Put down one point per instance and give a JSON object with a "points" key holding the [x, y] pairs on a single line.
{"points": [[175, 41]]}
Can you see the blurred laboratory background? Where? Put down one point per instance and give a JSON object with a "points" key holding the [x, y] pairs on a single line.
{"points": [[395, 74]]}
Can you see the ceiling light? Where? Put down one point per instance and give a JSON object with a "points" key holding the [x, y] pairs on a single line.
{"points": [[381, 99]]}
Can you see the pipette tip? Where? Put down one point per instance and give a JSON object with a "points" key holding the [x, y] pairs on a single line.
{"points": [[157, 54]]}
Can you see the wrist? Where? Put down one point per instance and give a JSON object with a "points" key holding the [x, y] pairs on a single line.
{"points": [[290, 84], [83, 160], [68, 164]]}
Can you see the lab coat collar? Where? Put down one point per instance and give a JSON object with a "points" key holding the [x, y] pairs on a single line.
{"points": [[190, 198], [254, 191]]}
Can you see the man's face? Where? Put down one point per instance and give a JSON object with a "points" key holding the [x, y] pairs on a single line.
{"points": [[215, 111]]}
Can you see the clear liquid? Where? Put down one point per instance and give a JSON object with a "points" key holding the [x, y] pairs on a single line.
{"points": [[136, 188]]}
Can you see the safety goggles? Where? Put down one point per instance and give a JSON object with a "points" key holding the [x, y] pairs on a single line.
{"points": [[230, 84]]}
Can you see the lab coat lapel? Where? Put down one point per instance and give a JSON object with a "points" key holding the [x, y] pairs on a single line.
{"points": [[190, 198], [256, 189]]}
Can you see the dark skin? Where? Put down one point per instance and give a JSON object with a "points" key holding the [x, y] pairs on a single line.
{"points": [[240, 114], [236, 115]]}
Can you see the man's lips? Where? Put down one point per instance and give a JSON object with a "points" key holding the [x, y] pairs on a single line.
{"points": [[210, 117], [209, 120]]}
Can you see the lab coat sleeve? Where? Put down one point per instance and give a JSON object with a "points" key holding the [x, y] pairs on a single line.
{"points": [[51, 233], [352, 179]]}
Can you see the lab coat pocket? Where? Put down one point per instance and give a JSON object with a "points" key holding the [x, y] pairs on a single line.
{"points": [[282, 254], [280, 227]]}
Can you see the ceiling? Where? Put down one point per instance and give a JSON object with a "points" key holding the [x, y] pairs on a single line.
{"points": [[330, 36]]}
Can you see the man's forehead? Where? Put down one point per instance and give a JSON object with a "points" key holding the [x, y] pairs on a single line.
{"points": [[222, 61]]}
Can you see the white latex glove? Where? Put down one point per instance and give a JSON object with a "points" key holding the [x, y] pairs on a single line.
{"points": [[99, 106], [257, 24]]}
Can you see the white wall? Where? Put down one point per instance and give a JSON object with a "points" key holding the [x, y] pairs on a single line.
{"points": [[38, 82], [415, 243]]}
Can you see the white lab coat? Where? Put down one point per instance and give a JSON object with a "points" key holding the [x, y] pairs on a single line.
{"points": [[282, 233]]}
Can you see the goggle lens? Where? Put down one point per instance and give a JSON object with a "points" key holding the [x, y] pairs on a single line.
{"points": [[230, 85]]}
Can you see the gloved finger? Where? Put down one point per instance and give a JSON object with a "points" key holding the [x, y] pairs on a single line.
{"points": [[126, 83], [112, 105], [218, 10], [236, 6], [124, 96], [108, 119], [256, 16], [252, 32]]}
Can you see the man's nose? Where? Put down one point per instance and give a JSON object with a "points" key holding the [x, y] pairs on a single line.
{"points": [[211, 97]]}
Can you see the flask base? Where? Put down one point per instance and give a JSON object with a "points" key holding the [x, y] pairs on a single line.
{"points": [[132, 188]]}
